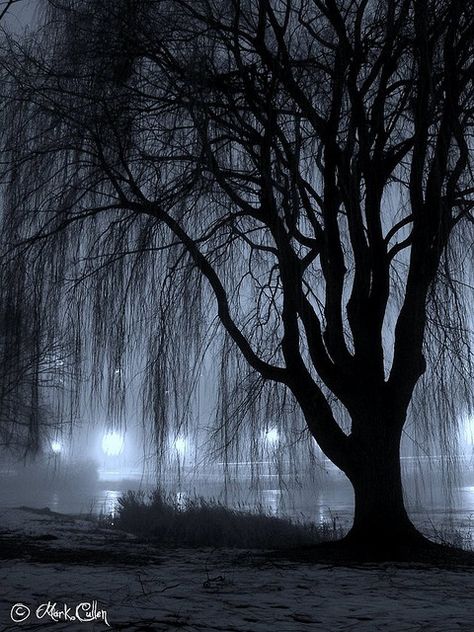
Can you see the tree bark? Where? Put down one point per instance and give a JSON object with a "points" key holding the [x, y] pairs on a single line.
{"points": [[381, 522]]}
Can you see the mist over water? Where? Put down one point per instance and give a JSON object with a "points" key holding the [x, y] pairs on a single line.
{"points": [[93, 486], [85, 468]]}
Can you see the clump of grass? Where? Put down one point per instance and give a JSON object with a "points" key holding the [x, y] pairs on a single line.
{"points": [[160, 518], [459, 536]]}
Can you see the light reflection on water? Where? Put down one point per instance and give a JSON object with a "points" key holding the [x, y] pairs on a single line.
{"points": [[181, 499], [108, 503], [55, 501], [272, 500]]}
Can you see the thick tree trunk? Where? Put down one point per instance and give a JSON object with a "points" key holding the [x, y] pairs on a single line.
{"points": [[370, 458], [381, 522]]}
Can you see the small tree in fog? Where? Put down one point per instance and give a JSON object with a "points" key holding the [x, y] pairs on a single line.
{"points": [[33, 368], [300, 167]]}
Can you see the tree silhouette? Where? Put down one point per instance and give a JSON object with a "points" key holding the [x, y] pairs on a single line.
{"points": [[25, 365], [33, 368], [305, 164]]}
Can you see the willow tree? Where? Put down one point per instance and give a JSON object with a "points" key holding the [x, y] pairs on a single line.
{"points": [[25, 372], [297, 169], [26, 360]]}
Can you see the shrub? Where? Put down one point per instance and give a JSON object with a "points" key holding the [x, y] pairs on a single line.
{"points": [[160, 518]]}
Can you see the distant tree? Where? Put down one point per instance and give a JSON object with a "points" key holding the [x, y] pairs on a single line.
{"points": [[33, 369], [306, 164], [20, 408], [22, 411]]}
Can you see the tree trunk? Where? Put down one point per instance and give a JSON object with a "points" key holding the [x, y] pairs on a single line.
{"points": [[381, 522]]}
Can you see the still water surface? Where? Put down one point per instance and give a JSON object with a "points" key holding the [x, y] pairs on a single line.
{"points": [[326, 500]]}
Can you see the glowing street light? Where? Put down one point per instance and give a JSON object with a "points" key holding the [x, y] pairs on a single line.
{"points": [[180, 446], [272, 436], [113, 443], [56, 447]]}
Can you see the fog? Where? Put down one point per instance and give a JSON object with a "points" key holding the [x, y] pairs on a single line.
{"points": [[89, 476]]}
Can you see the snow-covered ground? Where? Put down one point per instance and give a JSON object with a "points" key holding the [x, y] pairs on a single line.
{"points": [[59, 567]]}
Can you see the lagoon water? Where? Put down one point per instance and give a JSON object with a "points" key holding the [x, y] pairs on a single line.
{"points": [[326, 499]]}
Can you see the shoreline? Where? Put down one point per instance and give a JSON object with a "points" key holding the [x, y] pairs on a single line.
{"points": [[143, 587]]}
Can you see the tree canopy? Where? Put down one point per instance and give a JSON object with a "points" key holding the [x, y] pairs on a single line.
{"points": [[293, 177]]}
